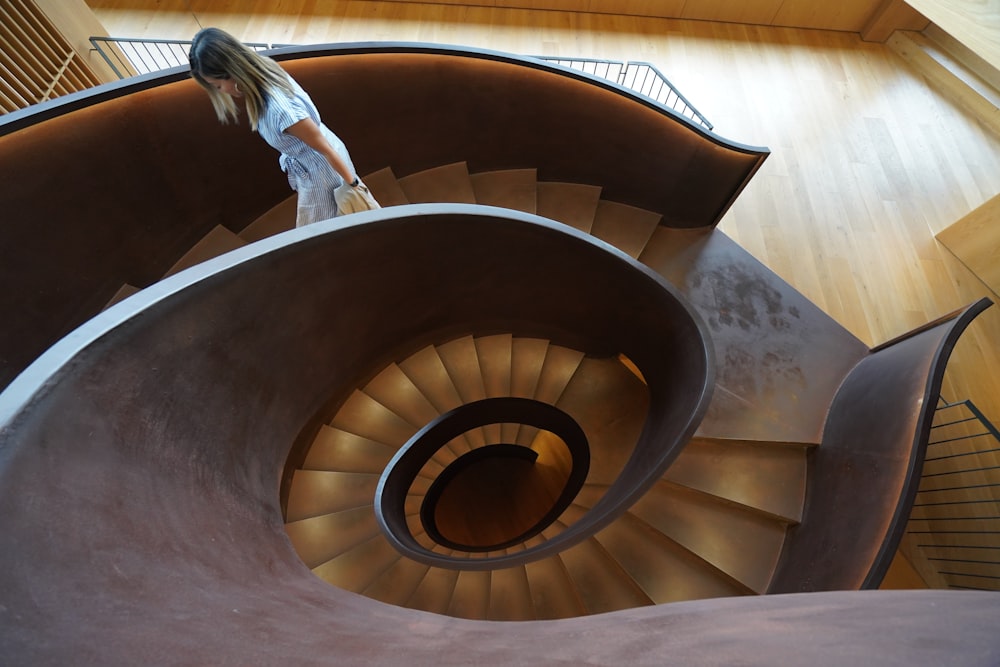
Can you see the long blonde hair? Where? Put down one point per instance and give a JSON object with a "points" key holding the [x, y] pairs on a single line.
{"points": [[217, 54]]}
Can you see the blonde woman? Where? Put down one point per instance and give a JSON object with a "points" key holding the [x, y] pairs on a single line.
{"points": [[281, 112]]}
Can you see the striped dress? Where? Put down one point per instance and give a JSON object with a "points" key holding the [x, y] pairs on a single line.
{"points": [[309, 173]]}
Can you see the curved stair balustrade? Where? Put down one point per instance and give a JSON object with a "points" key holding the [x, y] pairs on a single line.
{"points": [[146, 170], [871, 456], [498, 111], [166, 420], [402, 470]]}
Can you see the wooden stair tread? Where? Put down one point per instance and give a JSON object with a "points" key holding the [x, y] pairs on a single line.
{"points": [[461, 360], [495, 355], [560, 365], [572, 204], [527, 361], [362, 415], [600, 581], [510, 596], [385, 188], [447, 183], [612, 425], [427, 372], [435, 591], [553, 594], [317, 492], [397, 583], [217, 242], [767, 477], [357, 569], [743, 544], [664, 570], [279, 218], [124, 292], [510, 188], [393, 389], [471, 596], [334, 449], [320, 538], [626, 227]]}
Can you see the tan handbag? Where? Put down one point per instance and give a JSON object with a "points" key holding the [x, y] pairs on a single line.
{"points": [[353, 199]]}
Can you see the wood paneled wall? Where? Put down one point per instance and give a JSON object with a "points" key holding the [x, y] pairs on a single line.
{"points": [[45, 51], [846, 15], [975, 23]]}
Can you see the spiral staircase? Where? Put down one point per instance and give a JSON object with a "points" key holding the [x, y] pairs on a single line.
{"points": [[510, 395], [713, 526]]}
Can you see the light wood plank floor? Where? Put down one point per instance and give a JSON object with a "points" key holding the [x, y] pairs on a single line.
{"points": [[868, 161]]}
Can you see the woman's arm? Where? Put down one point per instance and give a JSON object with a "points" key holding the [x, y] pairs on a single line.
{"points": [[308, 131]]}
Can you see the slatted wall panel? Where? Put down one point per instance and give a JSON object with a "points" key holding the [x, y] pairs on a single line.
{"points": [[36, 61]]}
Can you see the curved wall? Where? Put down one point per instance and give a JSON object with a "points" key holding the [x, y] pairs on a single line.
{"points": [[141, 455], [111, 186], [139, 461]]}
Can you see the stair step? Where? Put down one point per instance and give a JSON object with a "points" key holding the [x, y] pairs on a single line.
{"points": [[559, 366], [495, 357], [124, 292], [663, 569], [510, 596], [527, 358], [770, 477], [511, 188], [461, 360], [572, 204], [359, 568], [333, 449], [495, 353], [435, 591], [447, 183], [670, 252], [553, 594], [280, 218], [610, 404], [471, 597], [626, 227], [317, 492], [321, 538], [740, 543], [397, 584], [393, 389], [599, 581], [385, 188], [217, 242], [428, 373], [364, 416], [414, 499]]}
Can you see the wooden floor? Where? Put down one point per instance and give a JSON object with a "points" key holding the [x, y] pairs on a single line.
{"points": [[868, 162]]}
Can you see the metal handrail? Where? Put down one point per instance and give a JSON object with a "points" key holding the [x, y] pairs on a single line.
{"points": [[133, 57], [960, 472], [639, 77]]}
